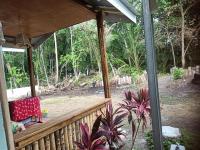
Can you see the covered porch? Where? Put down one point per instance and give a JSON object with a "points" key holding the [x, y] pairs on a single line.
{"points": [[31, 26]]}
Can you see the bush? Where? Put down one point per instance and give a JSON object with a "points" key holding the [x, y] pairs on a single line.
{"points": [[177, 73], [131, 71], [166, 142]]}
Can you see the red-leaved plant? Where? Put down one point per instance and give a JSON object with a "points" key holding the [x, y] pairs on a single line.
{"points": [[96, 140], [112, 123], [139, 105]]}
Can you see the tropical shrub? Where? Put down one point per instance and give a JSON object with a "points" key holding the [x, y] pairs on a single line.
{"points": [[112, 123], [140, 106], [177, 73], [107, 128], [106, 132], [96, 140]]}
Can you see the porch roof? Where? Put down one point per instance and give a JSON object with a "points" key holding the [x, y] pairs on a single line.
{"points": [[39, 19]]}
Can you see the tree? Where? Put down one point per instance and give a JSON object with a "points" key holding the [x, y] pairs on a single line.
{"points": [[56, 56], [184, 12]]}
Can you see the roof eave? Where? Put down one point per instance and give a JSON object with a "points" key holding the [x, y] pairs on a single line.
{"points": [[125, 8]]}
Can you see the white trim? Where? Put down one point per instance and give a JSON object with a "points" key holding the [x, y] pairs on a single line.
{"points": [[4, 49], [121, 7]]}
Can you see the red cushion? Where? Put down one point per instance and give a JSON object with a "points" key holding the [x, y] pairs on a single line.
{"points": [[24, 108]]}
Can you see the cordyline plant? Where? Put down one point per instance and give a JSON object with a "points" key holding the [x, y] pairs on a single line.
{"points": [[96, 140], [111, 124], [139, 105]]}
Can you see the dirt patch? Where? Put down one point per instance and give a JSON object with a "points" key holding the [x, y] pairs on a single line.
{"points": [[180, 105]]}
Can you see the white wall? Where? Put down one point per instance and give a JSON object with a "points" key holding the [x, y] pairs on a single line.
{"points": [[20, 92]]}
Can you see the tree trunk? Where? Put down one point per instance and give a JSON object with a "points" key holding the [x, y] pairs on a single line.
{"points": [[56, 55], [113, 70], [173, 54], [66, 71], [73, 60], [129, 61], [43, 64], [182, 36]]}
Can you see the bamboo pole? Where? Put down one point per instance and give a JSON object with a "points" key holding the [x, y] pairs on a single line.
{"points": [[58, 140], [66, 137], [93, 116], [35, 146], [104, 64], [88, 122], [31, 72], [47, 143], [52, 141], [62, 139], [41, 144], [91, 122], [77, 129], [4, 99], [74, 134], [29, 147], [70, 137]]}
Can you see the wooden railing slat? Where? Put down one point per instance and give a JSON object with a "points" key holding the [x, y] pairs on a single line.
{"points": [[57, 139], [35, 145], [52, 142], [41, 144], [74, 134], [70, 137], [62, 139], [66, 138], [47, 143], [77, 130]]}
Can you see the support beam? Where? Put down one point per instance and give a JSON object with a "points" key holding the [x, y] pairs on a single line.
{"points": [[104, 64], [31, 71], [4, 100], [152, 76]]}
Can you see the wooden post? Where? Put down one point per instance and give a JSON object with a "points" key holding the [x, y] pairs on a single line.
{"points": [[31, 72], [4, 99], [104, 65]]}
